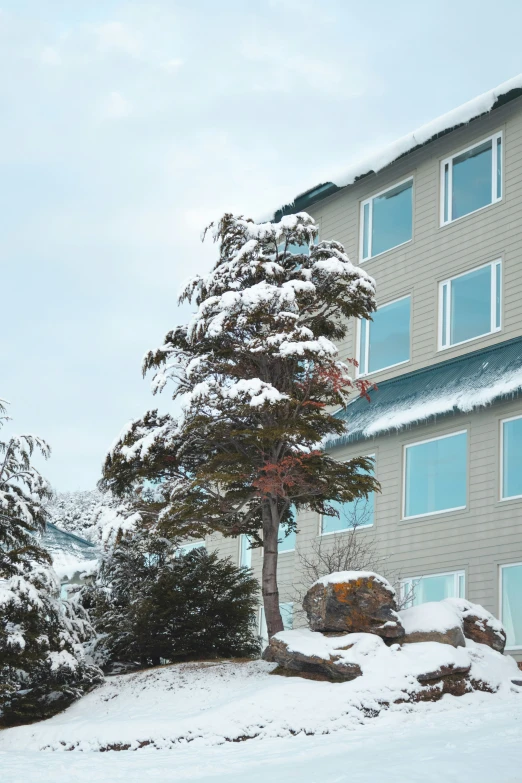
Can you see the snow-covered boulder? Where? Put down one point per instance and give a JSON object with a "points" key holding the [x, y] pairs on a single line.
{"points": [[479, 624], [353, 602], [435, 621], [314, 656]]}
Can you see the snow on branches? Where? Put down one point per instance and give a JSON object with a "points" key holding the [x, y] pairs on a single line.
{"points": [[256, 371]]}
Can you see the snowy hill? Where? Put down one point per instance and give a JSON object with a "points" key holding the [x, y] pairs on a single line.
{"points": [[180, 717]]}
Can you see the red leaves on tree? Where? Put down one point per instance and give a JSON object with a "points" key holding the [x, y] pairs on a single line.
{"points": [[277, 478]]}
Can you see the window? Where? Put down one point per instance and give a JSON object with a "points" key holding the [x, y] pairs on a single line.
{"points": [[435, 475], [469, 305], [357, 513], [472, 179], [245, 552], [287, 616], [421, 589], [386, 220], [511, 458], [186, 548], [385, 340], [511, 604], [286, 542]]}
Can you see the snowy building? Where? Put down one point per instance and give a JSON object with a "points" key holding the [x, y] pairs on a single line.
{"points": [[435, 219], [74, 558]]}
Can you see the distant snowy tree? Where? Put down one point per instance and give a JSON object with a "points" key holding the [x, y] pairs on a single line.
{"points": [[74, 511], [259, 375], [42, 664], [152, 604]]}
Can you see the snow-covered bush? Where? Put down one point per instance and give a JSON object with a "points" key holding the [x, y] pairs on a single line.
{"points": [[43, 667], [151, 604]]}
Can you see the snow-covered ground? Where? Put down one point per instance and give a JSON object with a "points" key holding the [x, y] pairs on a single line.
{"points": [[187, 711]]}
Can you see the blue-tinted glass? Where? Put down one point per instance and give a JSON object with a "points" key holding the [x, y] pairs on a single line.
{"points": [[286, 542], [446, 193], [287, 615], [366, 229], [358, 513], [471, 180], [444, 313], [499, 168], [471, 305], [434, 588], [392, 218], [512, 604], [390, 335], [512, 459], [245, 552], [436, 474], [362, 348], [497, 298]]}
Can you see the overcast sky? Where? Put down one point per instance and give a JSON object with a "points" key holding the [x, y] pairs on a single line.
{"points": [[125, 127]]}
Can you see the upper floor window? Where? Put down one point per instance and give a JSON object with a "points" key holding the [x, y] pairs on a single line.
{"points": [[286, 541], [245, 551], [355, 514], [511, 605], [472, 179], [511, 458], [470, 305], [184, 549], [387, 220], [385, 340], [435, 475], [436, 587]]}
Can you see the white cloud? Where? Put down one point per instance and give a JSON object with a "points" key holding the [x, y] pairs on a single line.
{"points": [[173, 65], [115, 106], [117, 37], [50, 56]]}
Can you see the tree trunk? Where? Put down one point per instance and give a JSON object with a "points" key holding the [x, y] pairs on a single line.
{"points": [[274, 622]]}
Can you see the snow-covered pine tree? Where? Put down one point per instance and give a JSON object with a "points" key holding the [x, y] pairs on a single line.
{"points": [[259, 373], [42, 665]]}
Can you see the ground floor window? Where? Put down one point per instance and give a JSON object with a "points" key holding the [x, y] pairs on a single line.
{"points": [[435, 587], [287, 615], [511, 603]]}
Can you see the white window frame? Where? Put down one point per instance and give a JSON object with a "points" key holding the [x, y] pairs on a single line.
{"points": [[369, 201], [358, 352], [184, 549], [241, 537], [502, 496], [500, 594], [407, 583], [446, 285], [347, 529], [449, 163], [444, 510]]}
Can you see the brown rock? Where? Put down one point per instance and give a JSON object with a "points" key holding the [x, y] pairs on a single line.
{"points": [[479, 624], [444, 671], [353, 602], [453, 636], [331, 668]]}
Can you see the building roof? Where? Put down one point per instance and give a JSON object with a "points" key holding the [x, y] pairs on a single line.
{"points": [[482, 104], [458, 385], [71, 554]]}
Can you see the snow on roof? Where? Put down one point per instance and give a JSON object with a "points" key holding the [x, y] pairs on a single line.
{"points": [[382, 157]]}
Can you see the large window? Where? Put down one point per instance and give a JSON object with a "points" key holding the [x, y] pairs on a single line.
{"points": [[421, 589], [472, 179], [385, 340], [386, 220], [511, 604], [186, 548], [435, 475], [511, 459], [245, 552], [286, 541], [469, 305], [357, 513]]}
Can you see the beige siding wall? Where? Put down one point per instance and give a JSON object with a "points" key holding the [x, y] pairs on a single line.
{"points": [[488, 533], [436, 252]]}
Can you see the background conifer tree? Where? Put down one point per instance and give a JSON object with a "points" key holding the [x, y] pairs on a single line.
{"points": [[258, 373], [42, 664]]}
